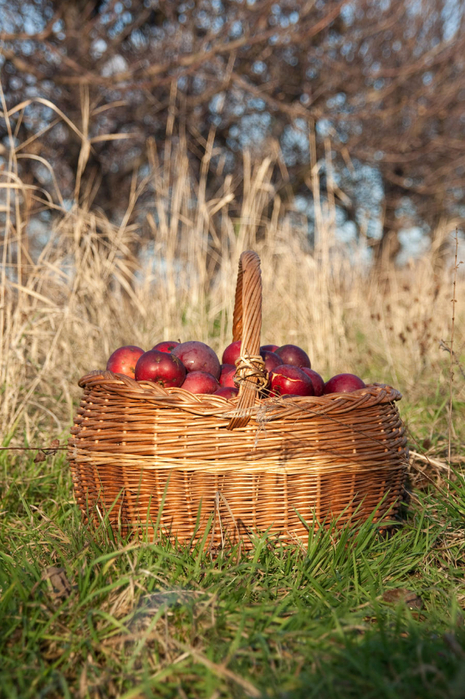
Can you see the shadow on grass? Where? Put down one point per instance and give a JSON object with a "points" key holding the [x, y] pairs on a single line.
{"points": [[386, 663]]}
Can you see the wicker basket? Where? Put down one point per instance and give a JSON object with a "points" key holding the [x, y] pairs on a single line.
{"points": [[155, 459]]}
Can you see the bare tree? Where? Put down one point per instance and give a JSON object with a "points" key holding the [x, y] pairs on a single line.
{"points": [[383, 82]]}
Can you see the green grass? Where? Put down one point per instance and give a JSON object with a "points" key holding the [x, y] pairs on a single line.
{"points": [[142, 620]]}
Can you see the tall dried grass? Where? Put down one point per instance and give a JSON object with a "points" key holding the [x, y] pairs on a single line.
{"points": [[72, 294]]}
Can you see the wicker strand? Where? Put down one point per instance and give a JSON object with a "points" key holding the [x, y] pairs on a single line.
{"points": [[247, 324]]}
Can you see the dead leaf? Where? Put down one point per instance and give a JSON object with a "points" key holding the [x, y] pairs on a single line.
{"points": [[49, 451], [57, 581], [401, 594], [83, 686]]}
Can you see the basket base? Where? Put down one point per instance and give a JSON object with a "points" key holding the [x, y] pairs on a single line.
{"points": [[238, 506]]}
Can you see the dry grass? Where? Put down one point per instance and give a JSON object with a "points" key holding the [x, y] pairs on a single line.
{"points": [[74, 291]]}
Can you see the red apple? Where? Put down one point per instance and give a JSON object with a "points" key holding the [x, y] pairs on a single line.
{"points": [[200, 382], [343, 383], [316, 379], [228, 372], [269, 348], [160, 367], [124, 360], [293, 355], [290, 379], [227, 392], [271, 359], [166, 345], [231, 353], [197, 356]]}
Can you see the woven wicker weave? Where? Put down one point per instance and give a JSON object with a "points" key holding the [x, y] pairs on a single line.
{"points": [[143, 454]]}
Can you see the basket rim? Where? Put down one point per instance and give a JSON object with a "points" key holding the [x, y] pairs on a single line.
{"points": [[210, 404]]}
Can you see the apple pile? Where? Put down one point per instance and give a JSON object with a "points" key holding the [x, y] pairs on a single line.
{"points": [[195, 367]]}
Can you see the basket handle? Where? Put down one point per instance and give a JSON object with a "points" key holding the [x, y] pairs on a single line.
{"points": [[247, 324]]}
